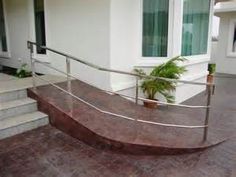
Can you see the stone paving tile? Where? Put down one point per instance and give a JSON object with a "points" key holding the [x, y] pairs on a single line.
{"points": [[47, 152]]}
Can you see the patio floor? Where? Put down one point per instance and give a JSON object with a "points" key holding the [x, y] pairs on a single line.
{"points": [[49, 152]]}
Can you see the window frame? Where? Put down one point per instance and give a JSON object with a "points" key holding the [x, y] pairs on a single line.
{"points": [[41, 57], [143, 59], [232, 26], [208, 54], [8, 53]]}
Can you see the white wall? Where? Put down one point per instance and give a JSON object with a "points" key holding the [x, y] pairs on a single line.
{"points": [[17, 21], [80, 28], [225, 64], [125, 35], [104, 32]]}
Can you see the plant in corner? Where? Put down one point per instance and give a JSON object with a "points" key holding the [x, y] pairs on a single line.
{"points": [[151, 86], [212, 70], [22, 72]]}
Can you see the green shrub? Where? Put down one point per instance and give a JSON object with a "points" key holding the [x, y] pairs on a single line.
{"points": [[171, 70]]}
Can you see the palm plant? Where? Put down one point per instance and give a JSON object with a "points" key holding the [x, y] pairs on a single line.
{"points": [[151, 86]]}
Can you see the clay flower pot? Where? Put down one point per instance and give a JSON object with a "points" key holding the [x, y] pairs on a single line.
{"points": [[210, 78], [150, 105]]}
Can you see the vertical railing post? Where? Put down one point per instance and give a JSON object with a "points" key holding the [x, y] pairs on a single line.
{"points": [[32, 61], [209, 93], [68, 71], [137, 90]]}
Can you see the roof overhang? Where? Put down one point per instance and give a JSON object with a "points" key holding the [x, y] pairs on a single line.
{"points": [[225, 7]]}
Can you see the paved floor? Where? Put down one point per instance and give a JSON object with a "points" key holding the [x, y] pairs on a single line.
{"points": [[47, 152], [107, 131]]}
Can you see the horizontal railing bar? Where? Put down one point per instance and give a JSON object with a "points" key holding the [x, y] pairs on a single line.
{"points": [[118, 71], [139, 98], [118, 115]]}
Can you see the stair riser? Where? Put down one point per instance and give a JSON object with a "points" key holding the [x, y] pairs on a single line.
{"points": [[23, 128], [10, 96], [11, 112]]}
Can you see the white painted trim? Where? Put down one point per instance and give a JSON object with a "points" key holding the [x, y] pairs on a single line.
{"points": [[191, 61], [42, 57], [232, 26], [127, 85], [174, 37], [7, 54], [193, 77], [223, 7], [146, 60]]}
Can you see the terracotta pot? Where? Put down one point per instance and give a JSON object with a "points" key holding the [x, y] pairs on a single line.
{"points": [[210, 78], [150, 105]]}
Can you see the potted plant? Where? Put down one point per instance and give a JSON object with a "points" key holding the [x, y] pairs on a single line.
{"points": [[151, 86], [22, 72], [212, 70]]}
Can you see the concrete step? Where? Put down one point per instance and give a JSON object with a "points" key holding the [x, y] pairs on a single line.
{"points": [[19, 124], [17, 107], [6, 77], [12, 95]]}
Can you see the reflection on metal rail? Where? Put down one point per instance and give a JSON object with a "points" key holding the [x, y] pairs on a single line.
{"points": [[119, 115], [210, 86]]}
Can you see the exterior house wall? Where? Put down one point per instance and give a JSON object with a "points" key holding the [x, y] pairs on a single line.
{"points": [[225, 63], [104, 32], [126, 42], [17, 24], [80, 28]]}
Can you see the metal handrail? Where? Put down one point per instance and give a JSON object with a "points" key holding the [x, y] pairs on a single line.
{"points": [[115, 93], [119, 115], [117, 71], [210, 86]]}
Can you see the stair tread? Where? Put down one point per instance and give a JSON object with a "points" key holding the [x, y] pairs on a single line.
{"points": [[18, 120], [16, 103]]}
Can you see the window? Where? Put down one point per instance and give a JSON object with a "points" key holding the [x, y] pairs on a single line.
{"points": [[3, 36], [195, 27], [155, 28], [40, 25], [232, 39]]}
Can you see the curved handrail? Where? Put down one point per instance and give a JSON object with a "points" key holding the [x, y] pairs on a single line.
{"points": [[210, 86], [110, 92], [118, 71], [122, 116]]}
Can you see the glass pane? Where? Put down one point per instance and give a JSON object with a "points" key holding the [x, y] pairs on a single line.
{"points": [[3, 36], [40, 25], [155, 28], [195, 27], [234, 40]]}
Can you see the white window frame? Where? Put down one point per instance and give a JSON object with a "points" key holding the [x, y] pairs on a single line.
{"points": [[8, 53], [153, 60], [208, 54], [41, 57], [232, 26]]}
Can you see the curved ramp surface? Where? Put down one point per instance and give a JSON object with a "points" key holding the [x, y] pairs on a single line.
{"points": [[120, 135]]}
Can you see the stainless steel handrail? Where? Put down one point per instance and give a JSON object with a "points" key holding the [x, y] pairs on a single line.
{"points": [[117, 71], [115, 93], [210, 86]]}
